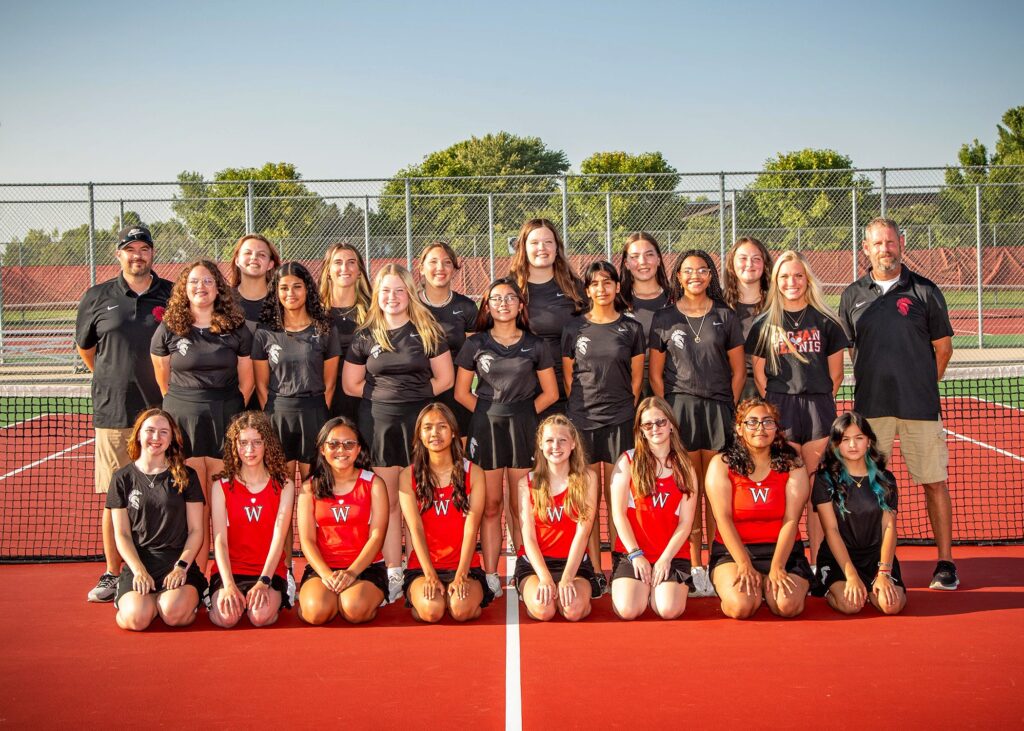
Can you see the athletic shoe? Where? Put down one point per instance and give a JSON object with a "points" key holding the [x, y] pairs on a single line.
{"points": [[702, 586], [207, 599], [945, 578], [494, 584], [602, 584], [395, 580], [291, 587], [105, 589]]}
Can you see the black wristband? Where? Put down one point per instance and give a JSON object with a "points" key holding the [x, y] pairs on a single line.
{"points": [[265, 580], [182, 564]]}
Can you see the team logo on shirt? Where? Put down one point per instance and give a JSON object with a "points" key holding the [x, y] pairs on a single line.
{"points": [[679, 339], [341, 513], [555, 514], [823, 573], [441, 506], [472, 447], [376, 350], [252, 512], [485, 361], [759, 494], [274, 353], [134, 498], [903, 305], [183, 345], [659, 499], [581, 345]]}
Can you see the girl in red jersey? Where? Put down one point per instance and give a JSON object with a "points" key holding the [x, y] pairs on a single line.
{"points": [[653, 500], [444, 522], [252, 510], [343, 516], [557, 505], [757, 488]]}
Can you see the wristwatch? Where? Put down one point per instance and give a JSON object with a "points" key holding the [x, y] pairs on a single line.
{"points": [[181, 564], [265, 580]]}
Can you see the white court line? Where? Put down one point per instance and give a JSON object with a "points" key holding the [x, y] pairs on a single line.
{"points": [[38, 462], [996, 403], [513, 683], [997, 450], [25, 421]]}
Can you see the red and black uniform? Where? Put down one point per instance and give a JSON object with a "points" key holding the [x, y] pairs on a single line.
{"points": [[653, 519], [758, 511]]}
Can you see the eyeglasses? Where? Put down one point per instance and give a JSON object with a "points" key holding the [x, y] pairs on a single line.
{"points": [[649, 426], [508, 299], [346, 444], [244, 444], [206, 281], [767, 423], [690, 271]]}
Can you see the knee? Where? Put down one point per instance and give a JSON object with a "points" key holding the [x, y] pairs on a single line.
{"points": [[135, 620], [358, 611], [492, 509], [790, 607], [429, 612], [179, 614], [222, 620], [541, 612], [263, 617], [844, 607], [627, 609], [576, 611], [740, 607], [669, 610], [315, 612], [463, 610]]}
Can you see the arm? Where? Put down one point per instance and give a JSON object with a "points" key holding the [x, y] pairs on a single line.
{"points": [[546, 587], [230, 600], [414, 524], [353, 379], [579, 541], [162, 371], [464, 389], [883, 582], [548, 390], [442, 373], [246, 377], [796, 499], [195, 515], [143, 582], [619, 503], [738, 364], [656, 371], [943, 352], [636, 373], [330, 378], [307, 536], [88, 356], [760, 377], [282, 522], [261, 378], [835, 371], [687, 510], [378, 527], [567, 364], [718, 488], [477, 496]]}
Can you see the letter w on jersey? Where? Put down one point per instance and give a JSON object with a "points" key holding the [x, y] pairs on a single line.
{"points": [[659, 499], [760, 494], [441, 506], [341, 512], [555, 514], [252, 512]]}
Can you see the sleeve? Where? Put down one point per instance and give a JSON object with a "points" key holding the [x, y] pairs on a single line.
{"points": [[568, 345], [193, 493], [85, 325], [117, 494], [259, 344], [542, 358], [441, 349], [821, 492], [332, 346], [468, 352], [837, 340], [894, 500], [638, 346], [359, 349], [939, 325], [655, 341], [844, 316], [751, 345], [244, 335], [160, 342], [470, 312], [734, 329]]}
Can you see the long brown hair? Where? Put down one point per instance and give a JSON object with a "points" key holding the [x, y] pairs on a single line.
{"points": [[227, 315], [273, 454], [484, 318], [731, 283], [781, 453], [540, 484], [565, 277], [321, 475], [426, 483], [235, 274], [175, 453], [362, 283], [661, 275], [644, 467]]}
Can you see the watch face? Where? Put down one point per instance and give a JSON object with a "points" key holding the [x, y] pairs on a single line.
{"points": [[265, 580]]}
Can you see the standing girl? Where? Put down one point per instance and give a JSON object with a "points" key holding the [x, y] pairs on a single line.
{"points": [[645, 284], [745, 287], [345, 294], [251, 266]]}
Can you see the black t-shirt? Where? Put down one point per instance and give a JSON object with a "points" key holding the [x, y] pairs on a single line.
{"points": [[644, 309], [892, 333], [813, 335], [602, 373], [505, 374], [345, 324], [861, 528], [120, 324], [550, 310], [251, 308], [698, 369], [157, 514], [296, 359], [203, 359], [399, 375], [456, 318], [747, 314]]}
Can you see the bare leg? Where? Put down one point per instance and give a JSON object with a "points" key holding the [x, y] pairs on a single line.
{"points": [[199, 465], [110, 553], [630, 598], [359, 603], [811, 453], [393, 538], [490, 525], [940, 515]]}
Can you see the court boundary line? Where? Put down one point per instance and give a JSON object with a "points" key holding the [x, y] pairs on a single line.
{"points": [[23, 422], [55, 455], [513, 678], [1000, 404], [979, 443]]}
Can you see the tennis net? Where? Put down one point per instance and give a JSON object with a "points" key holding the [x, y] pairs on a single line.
{"points": [[49, 510]]}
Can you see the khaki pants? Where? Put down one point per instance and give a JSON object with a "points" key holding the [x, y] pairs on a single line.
{"points": [[923, 444], [111, 455]]}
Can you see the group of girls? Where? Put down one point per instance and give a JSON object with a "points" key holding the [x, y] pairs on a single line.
{"points": [[544, 348]]}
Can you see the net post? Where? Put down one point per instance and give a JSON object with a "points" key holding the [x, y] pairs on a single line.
{"points": [[977, 248]]}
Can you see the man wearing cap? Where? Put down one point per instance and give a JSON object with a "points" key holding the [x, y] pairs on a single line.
{"points": [[116, 320]]}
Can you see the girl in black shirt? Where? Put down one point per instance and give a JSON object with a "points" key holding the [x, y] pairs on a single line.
{"points": [[553, 293], [454, 312], [645, 284], [398, 363], [515, 382], [201, 360], [856, 498], [745, 276], [252, 264], [157, 509], [345, 293]]}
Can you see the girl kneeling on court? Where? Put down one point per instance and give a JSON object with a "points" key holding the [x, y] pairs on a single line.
{"points": [[758, 488], [343, 516], [653, 500], [442, 496], [856, 499], [557, 505], [252, 511], [156, 504]]}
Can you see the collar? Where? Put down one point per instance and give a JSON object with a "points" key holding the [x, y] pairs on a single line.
{"points": [[122, 283], [902, 281]]}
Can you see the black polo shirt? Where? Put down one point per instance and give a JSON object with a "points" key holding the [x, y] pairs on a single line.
{"points": [[120, 325], [892, 334]]}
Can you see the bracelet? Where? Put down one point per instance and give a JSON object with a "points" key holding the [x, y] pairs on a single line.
{"points": [[633, 555], [884, 565], [181, 564]]}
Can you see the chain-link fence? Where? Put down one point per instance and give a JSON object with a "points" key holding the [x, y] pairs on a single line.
{"points": [[964, 229]]}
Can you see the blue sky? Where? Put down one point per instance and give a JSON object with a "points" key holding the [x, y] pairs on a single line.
{"points": [[112, 91]]}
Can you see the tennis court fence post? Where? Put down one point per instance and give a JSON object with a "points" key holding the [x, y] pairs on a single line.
{"points": [[490, 231], [721, 220], [2, 309], [977, 249], [853, 231], [250, 213], [564, 185], [608, 223], [366, 228], [408, 225], [92, 235], [882, 202]]}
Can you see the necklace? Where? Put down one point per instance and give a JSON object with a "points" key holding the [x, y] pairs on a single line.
{"points": [[859, 480], [298, 328], [426, 300], [696, 335], [150, 480], [795, 321]]}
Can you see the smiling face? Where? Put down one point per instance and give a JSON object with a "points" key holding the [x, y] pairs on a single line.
{"points": [[748, 263], [155, 436], [602, 289], [884, 248], [541, 248], [854, 445], [340, 449], [344, 268], [655, 426], [758, 428], [437, 268], [504, 303], [792, 282], [642, 260], [694, 276], [393, 297], [556, 444], [249, 447], [291, 291], [136, 259], [201, 287], [254, 259], [435, 432]]}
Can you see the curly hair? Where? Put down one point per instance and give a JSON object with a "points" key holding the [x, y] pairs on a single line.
{"points": [[175, 453], [661, 276], [731, 283], [540, 483], [227, 315], [321, 476], [644, 465], [833, 466], [273, 313], [565, 277], [273, 454], [484, 318], [714, 290], [423, 476], [781, 453], [604, 267]]}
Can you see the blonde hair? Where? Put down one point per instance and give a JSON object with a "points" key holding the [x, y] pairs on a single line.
{"points": [[362, 283], [540, 485], [773, 329], [431, 334]]}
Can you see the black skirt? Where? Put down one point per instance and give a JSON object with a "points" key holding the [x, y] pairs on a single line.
{"points": [[297, 421], [805, 417], [556, 566], [761, 555], [389, 430], [502, 435], [864, 560], [703, 423], [203, 415], [475, 574], [159, 565], [344, 405], [622, 568], [375, 573], [462, 414], [607, 443]]}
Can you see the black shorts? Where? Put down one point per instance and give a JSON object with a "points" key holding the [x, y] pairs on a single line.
{"points": [[622, 568], [389, 430], [703, 423], [158, 567], [203, 415], [475, 574], [462, 414], [344, 405], [559, 407], [761, 555], [502, 435], [607, 443], [806, 416], [375, 573], [749, 389], [864, 560], [297, 421], [245, 582], [556, 566]]}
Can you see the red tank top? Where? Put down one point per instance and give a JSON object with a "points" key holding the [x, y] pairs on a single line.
{"points": [[654, 518], [444, 526], [251, 519], [758, 507], [343, 523], [555, 534]]}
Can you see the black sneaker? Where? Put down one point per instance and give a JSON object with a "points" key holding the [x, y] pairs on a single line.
{"points": [[602, 584], [945, 578], [105, 589]]}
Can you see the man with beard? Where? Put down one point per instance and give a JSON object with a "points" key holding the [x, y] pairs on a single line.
{"points": [[902, 341], [116, 320]]}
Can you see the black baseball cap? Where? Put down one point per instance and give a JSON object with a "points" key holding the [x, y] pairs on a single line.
{"points": [[130, 234]]}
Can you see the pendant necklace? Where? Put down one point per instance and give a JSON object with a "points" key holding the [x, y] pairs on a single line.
{"points": [[696, 335]]}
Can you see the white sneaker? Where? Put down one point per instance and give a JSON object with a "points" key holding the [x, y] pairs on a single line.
{"points": [[291, 586], [494, 584], [702, 586], [395, 580]]}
